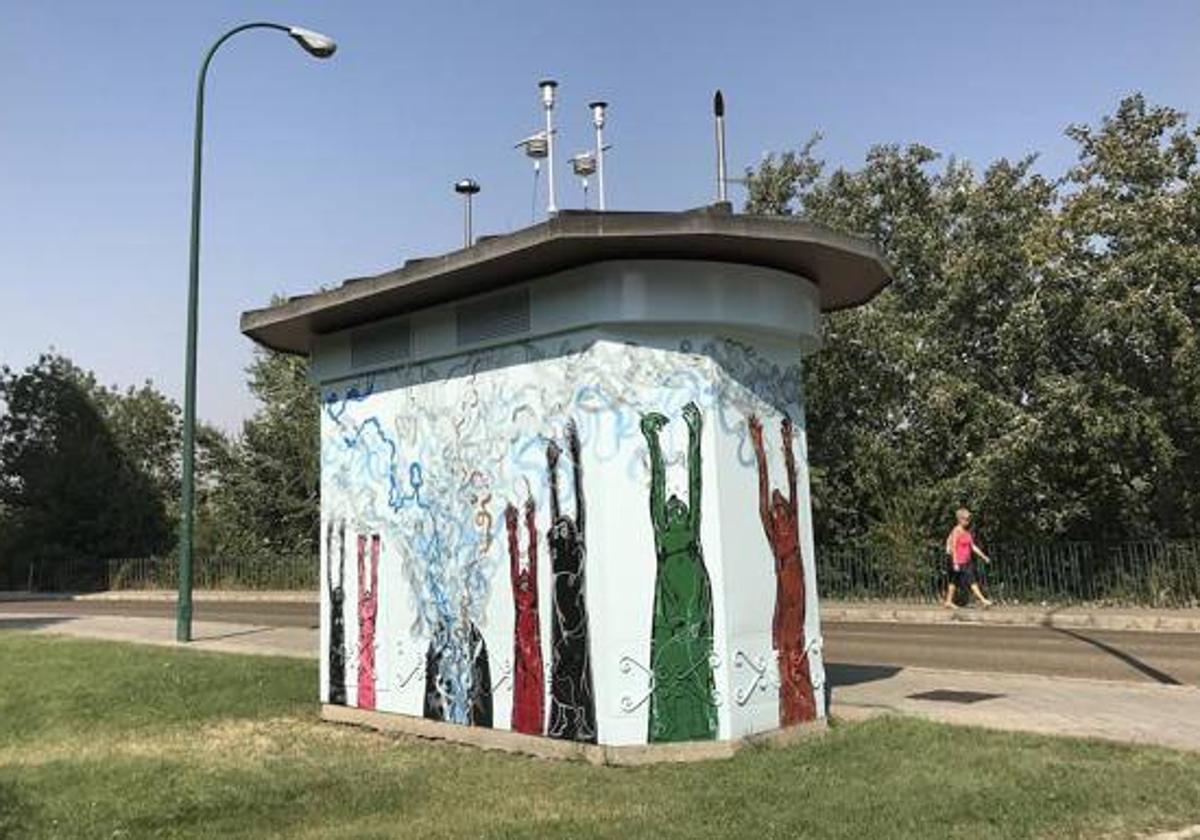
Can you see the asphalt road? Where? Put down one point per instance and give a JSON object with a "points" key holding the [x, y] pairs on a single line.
{"points": [[1164, 658]]}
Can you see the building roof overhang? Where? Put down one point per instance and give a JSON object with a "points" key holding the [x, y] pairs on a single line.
{"points": [[848, 271]]}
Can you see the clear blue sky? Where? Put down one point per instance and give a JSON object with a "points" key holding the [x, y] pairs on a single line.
{"points": [[318, 171]]}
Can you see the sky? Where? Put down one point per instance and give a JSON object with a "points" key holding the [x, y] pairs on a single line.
{"points": [[318, 171]]}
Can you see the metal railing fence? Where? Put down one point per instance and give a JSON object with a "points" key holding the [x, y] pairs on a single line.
{"points": [[1144, 573], [281, 573]]}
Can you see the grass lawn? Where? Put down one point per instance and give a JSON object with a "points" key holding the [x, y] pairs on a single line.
{"points": [[115, 741]]}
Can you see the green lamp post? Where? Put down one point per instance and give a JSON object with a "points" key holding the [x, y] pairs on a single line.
{"points": [[319, 46]]}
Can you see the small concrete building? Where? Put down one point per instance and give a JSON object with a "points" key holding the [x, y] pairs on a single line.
{"points": [[564, 479]]}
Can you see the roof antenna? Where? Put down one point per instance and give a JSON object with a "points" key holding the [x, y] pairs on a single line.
{"points": [[598, 121], [719, 114], [467, 188]]}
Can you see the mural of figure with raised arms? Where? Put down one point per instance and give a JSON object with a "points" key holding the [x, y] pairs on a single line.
{"points": [[441, 666], [368, 608], [681, 644], [528, 711], [781, 523], [572, 702], [337, 615]]}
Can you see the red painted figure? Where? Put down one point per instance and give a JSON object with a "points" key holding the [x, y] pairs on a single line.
{"points": [[528, 703], [781, 522], [368, 607]]}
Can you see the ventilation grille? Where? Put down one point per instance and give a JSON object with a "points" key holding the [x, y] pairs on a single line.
{"points": [[380, 343], [493, 317]]}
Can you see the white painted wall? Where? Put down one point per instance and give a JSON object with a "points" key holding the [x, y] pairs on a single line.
{"points": [[477, 425]]}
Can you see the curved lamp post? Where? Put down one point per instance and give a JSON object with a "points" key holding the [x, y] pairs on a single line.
{"points": [[319, 46]]}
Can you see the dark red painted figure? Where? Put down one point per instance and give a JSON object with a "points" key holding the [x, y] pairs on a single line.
{"points": [[781, 522], [528, 711], [368, 607]]}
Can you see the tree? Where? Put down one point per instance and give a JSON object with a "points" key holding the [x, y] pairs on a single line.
{"points": [[70, 494], [1036, 356], [266, 503]]}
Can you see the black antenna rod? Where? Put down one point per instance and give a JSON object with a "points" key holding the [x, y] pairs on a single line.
{"points": [[719, 114]]}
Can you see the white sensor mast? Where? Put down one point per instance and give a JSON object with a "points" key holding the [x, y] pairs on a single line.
{"points": [[547, 87], [598, 121]]}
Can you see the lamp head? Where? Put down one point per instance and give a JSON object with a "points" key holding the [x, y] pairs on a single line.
{"points": [[314, 43], [466, 186], [598, 113], [547, 87]]}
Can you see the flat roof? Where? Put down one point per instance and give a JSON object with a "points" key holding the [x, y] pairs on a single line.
{"points": [[847, 270]]}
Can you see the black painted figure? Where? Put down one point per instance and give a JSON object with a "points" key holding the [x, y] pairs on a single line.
{"points": [[572, 702], [438, 691], [337, 616], [481, 681]]}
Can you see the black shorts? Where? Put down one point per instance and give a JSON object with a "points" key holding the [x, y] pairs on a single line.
{"points": [[964, 576]]}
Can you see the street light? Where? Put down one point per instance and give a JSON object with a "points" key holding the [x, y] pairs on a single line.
{"points": [[319, 46]]}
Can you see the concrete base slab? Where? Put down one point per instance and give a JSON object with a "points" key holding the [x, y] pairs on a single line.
{"points": [[553, 748]]}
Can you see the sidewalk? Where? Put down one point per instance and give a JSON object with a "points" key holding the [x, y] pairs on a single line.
{"points": [[1072, 618], [1167, 715], [253, 596], [1137, 713], [224, 637]]}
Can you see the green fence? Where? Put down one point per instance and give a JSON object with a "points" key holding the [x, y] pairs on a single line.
{"points": [[75, 575], [1148, 573], [225, 573]]}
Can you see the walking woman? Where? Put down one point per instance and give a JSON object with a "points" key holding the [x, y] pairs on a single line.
{"points": [[960, 545]]}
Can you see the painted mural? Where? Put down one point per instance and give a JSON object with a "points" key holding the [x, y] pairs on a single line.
{"points": [[681, 644], [572, 701], [337, 615], [528, 708], [442, 467], [781, 524], [368, 609]]}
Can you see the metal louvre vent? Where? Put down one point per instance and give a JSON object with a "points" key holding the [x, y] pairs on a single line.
{"points": [[493, 317], [380, 343]]}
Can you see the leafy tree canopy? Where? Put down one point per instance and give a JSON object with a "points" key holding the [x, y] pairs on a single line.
{"points": [[1036, 357]]}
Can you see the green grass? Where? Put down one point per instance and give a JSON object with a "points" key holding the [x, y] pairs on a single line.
{"points": [[111, 740]]}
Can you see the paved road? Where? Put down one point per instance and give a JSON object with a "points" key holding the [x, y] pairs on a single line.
{"points": [[1163, 658]]}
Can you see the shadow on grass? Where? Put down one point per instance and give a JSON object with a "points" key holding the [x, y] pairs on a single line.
{"points": [[212, 637]]}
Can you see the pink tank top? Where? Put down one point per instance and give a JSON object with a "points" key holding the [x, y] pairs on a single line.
{"points": [[962, 548]]}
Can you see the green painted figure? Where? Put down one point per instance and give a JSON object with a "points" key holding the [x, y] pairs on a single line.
{"points": [[681, 700]]}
